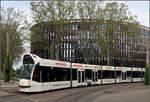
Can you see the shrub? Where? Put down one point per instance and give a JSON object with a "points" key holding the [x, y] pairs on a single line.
{"points": [[146, 75]]}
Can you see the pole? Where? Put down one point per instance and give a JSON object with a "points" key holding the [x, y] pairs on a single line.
{"points": [[7, 42], [71, 74], [147, 59], [147, 52], [0, 49], [8, 54]]}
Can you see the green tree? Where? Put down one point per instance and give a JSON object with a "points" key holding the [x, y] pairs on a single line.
{"points": [[109, 22], [52, 50], [39, 12], [18, 72], [86, 9], [118, 23], [13, 24], [147, 76], [57, 12], [52, 10]]}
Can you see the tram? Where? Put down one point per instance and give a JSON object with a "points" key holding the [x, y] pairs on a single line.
{"points": [[39, 74]]}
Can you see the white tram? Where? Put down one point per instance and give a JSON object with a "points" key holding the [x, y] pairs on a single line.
{"points": [[39, 74]]}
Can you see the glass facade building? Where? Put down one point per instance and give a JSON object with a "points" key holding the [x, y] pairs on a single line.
{"points": [[91, 41]]}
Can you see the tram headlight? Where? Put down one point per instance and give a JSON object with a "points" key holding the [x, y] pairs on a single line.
{"points": [[29, 83]]}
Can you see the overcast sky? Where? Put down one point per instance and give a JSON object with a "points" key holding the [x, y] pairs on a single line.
{"points": [[139, 8]]}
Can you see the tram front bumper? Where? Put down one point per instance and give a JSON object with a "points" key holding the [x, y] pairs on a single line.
{"points": [[24, 85], [24, 89]]}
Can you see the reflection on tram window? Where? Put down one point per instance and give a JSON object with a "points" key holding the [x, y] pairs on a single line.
{"points": [[124, 75], [136, 74], [36, 74], [47, 74], [108, 74], [118, 74], [88, 74], [128, 73], [142, 74], [59, 74], [26, 71]]}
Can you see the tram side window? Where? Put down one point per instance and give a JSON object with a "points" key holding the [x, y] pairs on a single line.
{"points": [[51, 74], [124, 76], [128, 73], [142, 74], [96, 75], [45, 74], [36, 74], [41, 74], [59, 74], [93, 76], [108, 74], [99, 74], [118, 74], [136, 74], [83, 76], [79, 76], [88, 74], [74, 74]]}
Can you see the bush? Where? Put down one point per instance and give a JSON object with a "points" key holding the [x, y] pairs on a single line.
{"points": [[7, 68], [146, 75]]}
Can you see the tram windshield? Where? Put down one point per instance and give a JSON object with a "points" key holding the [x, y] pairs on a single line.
{"points": [[26, 71]]}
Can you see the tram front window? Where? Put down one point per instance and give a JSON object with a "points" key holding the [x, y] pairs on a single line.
{"points": [[26, 71]]}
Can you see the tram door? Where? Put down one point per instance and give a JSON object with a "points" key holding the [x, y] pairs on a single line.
{"points": [[81, 77], [95, 76], [41, 75], [124, 76]]}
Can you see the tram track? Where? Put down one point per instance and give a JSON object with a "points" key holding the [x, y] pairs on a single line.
{"points": [[77, 94], [101, 90]]}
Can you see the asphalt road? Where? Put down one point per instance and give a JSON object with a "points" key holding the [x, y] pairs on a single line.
{"points": [[141, 95], [129, 92]]}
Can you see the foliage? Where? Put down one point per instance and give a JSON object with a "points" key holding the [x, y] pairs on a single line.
{"points": [[52, 51], [119, 24], [52, 10], [86, 9], [14, 24], [147, 75], [111, 22], [7, 67], [16, 73]]}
